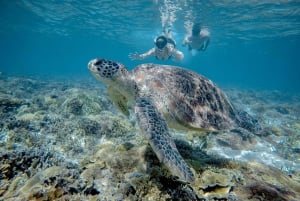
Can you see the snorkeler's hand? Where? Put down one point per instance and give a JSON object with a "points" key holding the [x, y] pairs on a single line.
{"points": [[134, 56], [185, 42]]}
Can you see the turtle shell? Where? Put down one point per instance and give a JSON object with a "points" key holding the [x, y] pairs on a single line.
{"points": [[186, 98]]}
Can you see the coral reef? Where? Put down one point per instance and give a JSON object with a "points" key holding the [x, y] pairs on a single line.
{"points": [[64, 140]]}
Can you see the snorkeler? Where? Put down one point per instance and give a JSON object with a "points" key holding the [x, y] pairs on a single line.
{"points": [[164, 49], [199, 39]]}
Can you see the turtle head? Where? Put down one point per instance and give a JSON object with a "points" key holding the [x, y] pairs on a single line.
{"points": [[115, 75], [107, 71]]}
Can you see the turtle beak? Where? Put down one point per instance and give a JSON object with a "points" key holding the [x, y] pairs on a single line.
{"points": [[93, 65]]}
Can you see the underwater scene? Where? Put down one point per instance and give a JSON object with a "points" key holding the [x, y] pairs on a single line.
{"points": [[150, 100]]}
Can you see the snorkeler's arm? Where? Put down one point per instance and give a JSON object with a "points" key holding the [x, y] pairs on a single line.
{"points": [[178, 55], [151, 52], [185, 41], [205, 36], [205, 43], [136, 56]]}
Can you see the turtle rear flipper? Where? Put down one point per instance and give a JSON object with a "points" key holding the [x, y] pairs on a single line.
{"points": [[246, 121], [155, 127]]}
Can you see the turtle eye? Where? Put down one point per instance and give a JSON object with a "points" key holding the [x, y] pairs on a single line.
{"points": [[98, 62], [98, 69]]}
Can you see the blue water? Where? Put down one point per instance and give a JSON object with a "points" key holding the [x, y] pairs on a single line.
{"points": [[254, 44]]}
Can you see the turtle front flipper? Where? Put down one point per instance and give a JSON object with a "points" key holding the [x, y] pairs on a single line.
{"points": [[155, 127]]}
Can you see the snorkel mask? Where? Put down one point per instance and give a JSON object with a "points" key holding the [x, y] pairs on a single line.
{"points": [[161, 42]]}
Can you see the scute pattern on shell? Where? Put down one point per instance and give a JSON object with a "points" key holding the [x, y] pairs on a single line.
{"points": [[183, 82], [190, 98]]}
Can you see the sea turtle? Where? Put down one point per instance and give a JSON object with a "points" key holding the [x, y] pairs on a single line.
{"points": [[168, 96]]}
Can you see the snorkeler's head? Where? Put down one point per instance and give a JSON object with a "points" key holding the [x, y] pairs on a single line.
{"points": [[196, 29], [161, 42]]}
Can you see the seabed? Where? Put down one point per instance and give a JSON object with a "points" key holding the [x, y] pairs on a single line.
{"points": [[64, 140]]}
